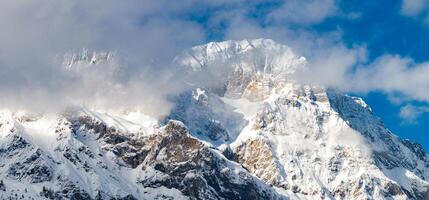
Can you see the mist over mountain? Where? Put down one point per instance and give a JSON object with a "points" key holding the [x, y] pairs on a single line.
{"points": [[238, 122], [219, 99]]}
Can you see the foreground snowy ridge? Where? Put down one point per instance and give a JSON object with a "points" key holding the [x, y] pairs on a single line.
{"points": [[246, 130]]}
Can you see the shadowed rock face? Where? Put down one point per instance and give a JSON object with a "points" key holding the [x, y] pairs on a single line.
{"points": [[257, 157], [196, 170], [169, 159], [34, 168], [68, 191], [195, 109], [427, 195]]}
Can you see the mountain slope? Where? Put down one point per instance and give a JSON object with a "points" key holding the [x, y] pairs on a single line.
{"points": [[305, 139], [245, 130], [80, 156]]}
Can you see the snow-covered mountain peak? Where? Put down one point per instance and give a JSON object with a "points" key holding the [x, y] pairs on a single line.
{"points": [[259, 55], [250, 68], [306, 139], [85, 58]]}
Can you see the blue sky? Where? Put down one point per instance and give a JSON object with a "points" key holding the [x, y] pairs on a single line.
{"points": [[384, 29], [373, 49]]}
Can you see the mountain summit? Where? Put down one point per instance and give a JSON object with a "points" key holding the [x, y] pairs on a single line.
{"points": [[246, 129]]}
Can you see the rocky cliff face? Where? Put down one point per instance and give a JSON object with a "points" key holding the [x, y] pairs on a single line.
{"points": [[309, 141], [254, 133], [83, 157]]}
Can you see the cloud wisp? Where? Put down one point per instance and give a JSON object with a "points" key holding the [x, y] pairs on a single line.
{"points": [[348, 70], [410, 113], [416, 9]]}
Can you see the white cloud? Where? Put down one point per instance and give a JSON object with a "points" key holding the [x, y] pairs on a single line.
{"points": [[304, 11], [414, 7], [145, 34], [410, 113], [418, 9], [148, 34], [332, 66], [394, 74]]}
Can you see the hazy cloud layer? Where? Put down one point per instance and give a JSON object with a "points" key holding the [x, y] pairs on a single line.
{"points": [[304, 11], [416, 9], [36, 33], [410, 113], [145, 35], [348, 70]]}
